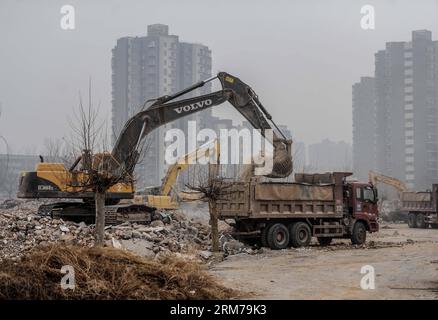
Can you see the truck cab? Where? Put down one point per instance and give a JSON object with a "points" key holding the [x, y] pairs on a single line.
{"points": [[362, 201]]}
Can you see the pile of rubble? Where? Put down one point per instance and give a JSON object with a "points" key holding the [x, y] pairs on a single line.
{"points": [[21, 229], [179, 236]]}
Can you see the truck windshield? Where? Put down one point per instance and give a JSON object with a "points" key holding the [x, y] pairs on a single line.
{"points": [[368, 194]]}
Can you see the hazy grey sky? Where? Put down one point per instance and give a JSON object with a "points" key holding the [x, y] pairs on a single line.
{"points": [[300, 56]]}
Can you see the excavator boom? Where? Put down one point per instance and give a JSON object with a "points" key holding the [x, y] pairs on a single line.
{"points": [[163, 110], [376, 178]]}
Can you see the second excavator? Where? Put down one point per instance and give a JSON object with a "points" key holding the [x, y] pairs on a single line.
{"points": [[163, 199], [55, 181]]}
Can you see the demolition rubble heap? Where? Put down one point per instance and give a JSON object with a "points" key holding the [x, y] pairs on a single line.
{"points": [[22, 229]]}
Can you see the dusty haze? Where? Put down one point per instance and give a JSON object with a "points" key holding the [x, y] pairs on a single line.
{"points": [[300, 56]]}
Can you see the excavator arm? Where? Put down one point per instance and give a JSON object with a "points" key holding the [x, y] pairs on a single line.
{"points": [[376, 178], [126, 150], [164, 200], [184, 162]]}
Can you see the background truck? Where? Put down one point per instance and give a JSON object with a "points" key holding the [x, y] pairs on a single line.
{"points": [[279, 214], [421, 207]]}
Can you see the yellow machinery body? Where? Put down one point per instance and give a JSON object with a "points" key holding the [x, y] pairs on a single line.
{"points": [[53, 180], [164, 200]]}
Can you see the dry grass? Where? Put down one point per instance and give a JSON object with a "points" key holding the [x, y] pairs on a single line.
{"points": [[106, 273]]}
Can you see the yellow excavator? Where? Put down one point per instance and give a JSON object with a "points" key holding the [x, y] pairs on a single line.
{"points": [[164, 200], [375, 178], [55, 181]]}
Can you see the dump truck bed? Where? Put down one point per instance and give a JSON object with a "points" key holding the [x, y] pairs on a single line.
{"points": [[418, 201], [280, 200]]}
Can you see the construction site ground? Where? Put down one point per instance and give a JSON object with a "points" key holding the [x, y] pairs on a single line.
{"points": [[405, 262]]}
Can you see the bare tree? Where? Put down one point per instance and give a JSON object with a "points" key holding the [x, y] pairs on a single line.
{"points": [[213, 187], [59, 150], [89, 144]]}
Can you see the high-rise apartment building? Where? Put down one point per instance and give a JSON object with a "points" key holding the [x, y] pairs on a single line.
{"points": [[147, 67], [364, 127], [421, 110], [389, 77], [406, 112]]}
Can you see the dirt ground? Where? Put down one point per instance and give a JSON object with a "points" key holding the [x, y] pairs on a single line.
{"points": [[405, 262]]}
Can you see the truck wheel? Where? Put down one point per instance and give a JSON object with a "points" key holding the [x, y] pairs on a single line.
{"points": [[412, 220], [420, 221], [264, 236], [278, 236], [300, 234], [359, 235], [324, 241], [434, 225]]}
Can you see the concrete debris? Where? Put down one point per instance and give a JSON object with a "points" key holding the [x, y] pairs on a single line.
{"points": [[369, 245], [205, 254], [115, 243], [22, 229], [157, 223], [9, 203], [231, 246]]}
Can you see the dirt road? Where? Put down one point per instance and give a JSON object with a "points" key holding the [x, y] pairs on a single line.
{"points": [[405, 262]]}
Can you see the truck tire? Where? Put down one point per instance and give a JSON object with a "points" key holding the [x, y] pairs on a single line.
{"points": [[412, 220], [324, 241], [359, 234], [278, 236], [300, 234], [434, 225], [264, 236], [420, 221]]}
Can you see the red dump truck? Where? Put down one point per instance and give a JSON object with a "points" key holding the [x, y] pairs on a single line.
{"points": [[422, 208], [279, 214]]}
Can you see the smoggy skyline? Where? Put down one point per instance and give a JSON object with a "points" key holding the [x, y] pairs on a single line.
{"points": [[301, 57]]}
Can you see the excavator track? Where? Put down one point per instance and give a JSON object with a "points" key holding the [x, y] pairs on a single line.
{"points": [[81, 211], [138, 213]]}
